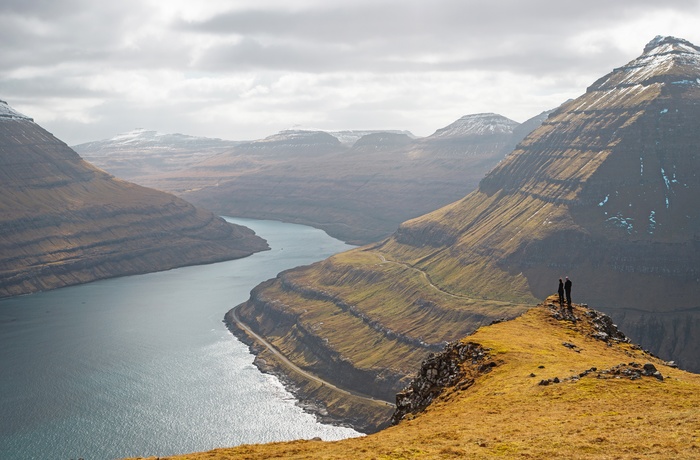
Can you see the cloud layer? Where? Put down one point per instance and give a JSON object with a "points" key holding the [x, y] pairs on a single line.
{"points": [[88, 70]]}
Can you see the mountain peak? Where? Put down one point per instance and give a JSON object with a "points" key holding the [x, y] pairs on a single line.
{"points": [[666, 60], [477, 124], [7, 112], [665, 44]]}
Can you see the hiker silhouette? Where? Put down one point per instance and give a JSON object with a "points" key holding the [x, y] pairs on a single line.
{"points": [[567, 289], [561, 293]]}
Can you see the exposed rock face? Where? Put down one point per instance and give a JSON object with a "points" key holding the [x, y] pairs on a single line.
{"points": [[66, 222], [457, 364], [357, 192]]}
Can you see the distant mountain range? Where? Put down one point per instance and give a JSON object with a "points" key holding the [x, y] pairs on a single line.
{"points": [[605, 191], [356, 185], [64, 222]]}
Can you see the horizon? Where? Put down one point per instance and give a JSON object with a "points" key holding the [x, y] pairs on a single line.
{"points": [[87, 71]]}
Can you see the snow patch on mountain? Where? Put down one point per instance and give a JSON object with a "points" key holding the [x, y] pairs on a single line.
{"points": [[479, 124], [8, 113]]}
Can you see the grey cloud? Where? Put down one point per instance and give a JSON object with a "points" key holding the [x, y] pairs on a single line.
{"points": [[42, 34], [52, 9], [385, 20], [393, 36]]}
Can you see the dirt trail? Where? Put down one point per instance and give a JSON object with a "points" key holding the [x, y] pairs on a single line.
{"points": [[297, 369]]}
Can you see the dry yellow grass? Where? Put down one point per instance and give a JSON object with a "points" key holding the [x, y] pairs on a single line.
{"points": [[507, 414]]}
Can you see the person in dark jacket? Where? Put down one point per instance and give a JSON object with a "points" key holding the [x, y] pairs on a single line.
{"points": [[561, 293], [567, 289]]}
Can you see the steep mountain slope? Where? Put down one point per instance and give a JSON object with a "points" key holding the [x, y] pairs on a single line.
{"points": [[539, 386], [603, 192], [63, 221], [357, 185]]}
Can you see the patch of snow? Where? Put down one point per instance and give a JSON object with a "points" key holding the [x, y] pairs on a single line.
{"points": [[479, 124], [666, 181], [8, 113], [605, 200], [664, 111], [641, 166], [619, 221], [652, 222]]}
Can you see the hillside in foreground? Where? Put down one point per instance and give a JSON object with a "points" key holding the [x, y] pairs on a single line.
{"points": [[604, 397]]}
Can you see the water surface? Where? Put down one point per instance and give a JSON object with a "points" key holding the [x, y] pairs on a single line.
{"points": [[143, 365]]}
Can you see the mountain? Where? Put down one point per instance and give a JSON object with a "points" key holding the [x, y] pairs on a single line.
{"points": [[350, 136], [539, 386], [357, 192], [604, 191], [65, 222], [139, 154]]}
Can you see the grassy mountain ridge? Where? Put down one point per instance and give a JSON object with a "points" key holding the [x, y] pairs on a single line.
{"points": [[599, 402]]}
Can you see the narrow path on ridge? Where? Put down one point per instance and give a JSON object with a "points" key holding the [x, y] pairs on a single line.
{"points": [[430, 282], [299, 370]]}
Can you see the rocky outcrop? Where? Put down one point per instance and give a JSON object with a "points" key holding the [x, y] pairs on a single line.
{"points": [[457, 365], [65, 222]]}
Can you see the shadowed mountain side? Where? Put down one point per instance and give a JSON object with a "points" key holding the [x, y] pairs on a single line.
{"points": [[544, 385], [64, 222]]}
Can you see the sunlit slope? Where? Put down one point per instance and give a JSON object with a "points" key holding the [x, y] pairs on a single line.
{"points": [[607, 402], [362, 321]]}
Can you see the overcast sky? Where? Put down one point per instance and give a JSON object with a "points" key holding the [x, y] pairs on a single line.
{"points": [[245, 69]]}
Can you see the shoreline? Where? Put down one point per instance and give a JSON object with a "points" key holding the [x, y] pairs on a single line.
{"points": [[307, 391]]}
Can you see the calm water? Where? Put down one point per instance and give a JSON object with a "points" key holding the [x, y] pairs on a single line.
{"points": [[143, 365]]}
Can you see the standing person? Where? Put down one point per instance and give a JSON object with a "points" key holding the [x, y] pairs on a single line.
{"points": [[567, 288], [561, 293]]}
